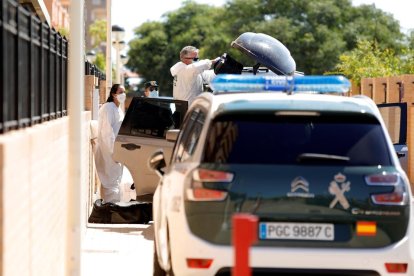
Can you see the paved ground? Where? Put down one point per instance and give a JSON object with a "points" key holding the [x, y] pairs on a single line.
{"points": [[125, 249], [118, 249]]}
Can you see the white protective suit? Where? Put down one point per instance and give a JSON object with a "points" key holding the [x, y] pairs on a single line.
{"points": [[188, 79], [109, 171]]}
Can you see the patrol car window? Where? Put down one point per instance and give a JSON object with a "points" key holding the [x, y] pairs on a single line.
{"points": [[325, 140], [190, 136], [152, 117]]}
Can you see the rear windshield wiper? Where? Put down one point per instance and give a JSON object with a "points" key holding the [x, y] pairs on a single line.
{"points": [[318, 157]]}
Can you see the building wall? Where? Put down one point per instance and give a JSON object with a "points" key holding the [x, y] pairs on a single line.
{"points": [[33, 197], [59, 13]]}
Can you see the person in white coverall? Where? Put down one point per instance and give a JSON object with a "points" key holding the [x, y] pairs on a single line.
{"points": [[109, 122], [189, 74]]}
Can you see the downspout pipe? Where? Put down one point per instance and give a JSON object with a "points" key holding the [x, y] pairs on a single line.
{"points": [[108, 46], [76, 64]]}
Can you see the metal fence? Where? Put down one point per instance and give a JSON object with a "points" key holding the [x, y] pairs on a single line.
{"points": [[33, 69], [91, 69]]}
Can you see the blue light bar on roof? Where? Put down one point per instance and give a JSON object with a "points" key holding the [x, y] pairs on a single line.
{"points": [[318, 84]]}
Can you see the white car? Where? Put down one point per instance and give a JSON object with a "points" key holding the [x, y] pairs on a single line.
{"points": [[319, 172]]}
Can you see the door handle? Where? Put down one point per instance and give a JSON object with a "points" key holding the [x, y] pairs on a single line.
{"points": [[131, 146]]}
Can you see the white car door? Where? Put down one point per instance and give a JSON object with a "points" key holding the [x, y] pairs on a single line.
{"points": [[133, 153], [143, 132]]}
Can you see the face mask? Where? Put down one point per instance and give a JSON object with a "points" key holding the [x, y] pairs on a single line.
{"points": [[153, 94], [121, 97]]}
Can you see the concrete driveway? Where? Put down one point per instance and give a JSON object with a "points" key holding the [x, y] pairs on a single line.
{"points": [[123, 249]]}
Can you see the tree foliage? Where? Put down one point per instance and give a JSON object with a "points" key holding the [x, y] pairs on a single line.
{"points": [[368, 60], [157, 44], [411, 39], [100, 61], [97, 32], [64, 32], [316, 32], [148, 52]]}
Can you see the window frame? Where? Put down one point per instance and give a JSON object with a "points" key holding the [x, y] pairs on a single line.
{"points": [[189, 127]]}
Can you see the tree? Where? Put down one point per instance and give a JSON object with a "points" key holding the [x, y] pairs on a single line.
{"points": [[100, 61], [369, 60], [63, 32], [157, 45], [410, 39], [148, 53], [97, 32], [316, 32]]}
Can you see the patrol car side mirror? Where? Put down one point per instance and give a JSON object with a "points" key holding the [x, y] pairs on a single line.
{"points": [[157, 162]]}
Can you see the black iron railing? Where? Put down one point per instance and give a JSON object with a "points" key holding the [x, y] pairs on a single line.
{"points": [[33, 64], [91, 69]]}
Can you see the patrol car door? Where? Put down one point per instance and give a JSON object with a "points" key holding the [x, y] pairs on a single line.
{"points": [[395, 118]]}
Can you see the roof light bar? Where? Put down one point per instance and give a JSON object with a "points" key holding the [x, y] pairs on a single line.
{"points": [[317, 84]]}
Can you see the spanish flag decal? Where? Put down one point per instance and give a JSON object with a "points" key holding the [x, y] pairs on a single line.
{"points": [[366, 228]]}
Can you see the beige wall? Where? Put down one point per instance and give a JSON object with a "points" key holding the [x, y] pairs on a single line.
{"points": [[59, 14], [33, 191]]}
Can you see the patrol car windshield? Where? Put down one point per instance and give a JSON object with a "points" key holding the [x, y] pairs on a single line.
{"points": [[328, 139]]}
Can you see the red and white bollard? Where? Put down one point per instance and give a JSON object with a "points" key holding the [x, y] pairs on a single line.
{"points": [[245, 233]]}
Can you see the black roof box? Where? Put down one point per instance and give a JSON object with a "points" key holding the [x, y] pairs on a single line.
{"points": [[267, 51]]}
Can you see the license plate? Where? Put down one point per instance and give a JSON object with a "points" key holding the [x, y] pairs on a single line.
{"points": [[296, 231]]}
